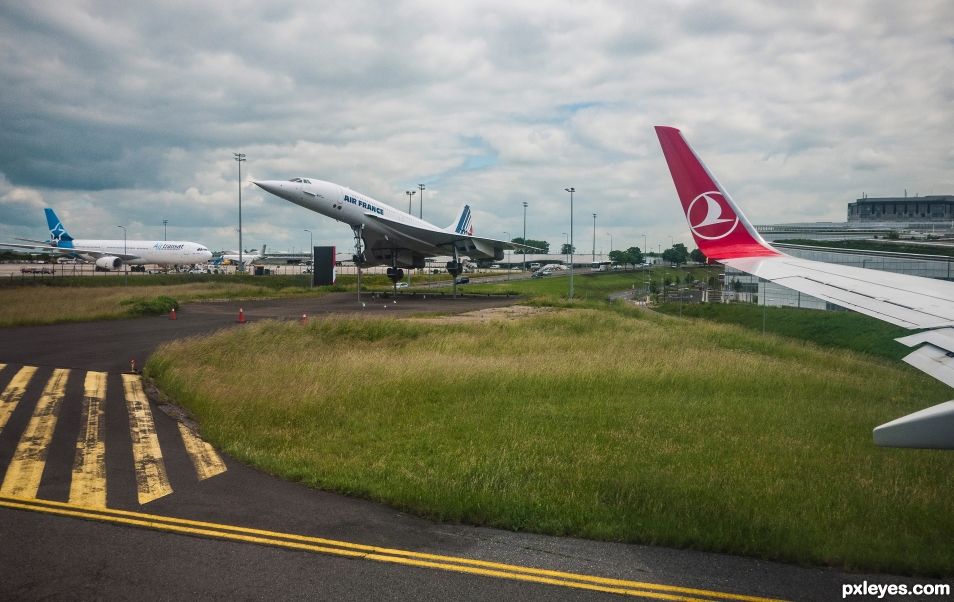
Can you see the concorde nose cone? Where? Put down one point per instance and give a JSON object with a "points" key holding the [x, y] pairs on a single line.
{"points": [[266, 185]]}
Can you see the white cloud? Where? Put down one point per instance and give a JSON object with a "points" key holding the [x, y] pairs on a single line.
{"points": [[130, 114]]}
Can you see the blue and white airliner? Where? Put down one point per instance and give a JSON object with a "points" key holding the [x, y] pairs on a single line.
{"points": [[114, 254]]}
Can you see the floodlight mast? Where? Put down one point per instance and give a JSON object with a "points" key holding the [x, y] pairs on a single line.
{"points": [[240, 157], [571, 190]]}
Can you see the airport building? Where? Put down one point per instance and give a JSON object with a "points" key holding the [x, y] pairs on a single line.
{"points": [[911, 213]]}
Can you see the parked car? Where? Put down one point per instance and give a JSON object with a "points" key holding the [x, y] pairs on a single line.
{"points": [[401, 285], [461, 280]]}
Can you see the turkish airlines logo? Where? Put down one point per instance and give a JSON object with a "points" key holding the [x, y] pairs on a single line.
{"points": [[706, 218]]}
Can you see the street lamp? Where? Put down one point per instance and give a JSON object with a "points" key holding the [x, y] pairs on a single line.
{"points": [[610, 234], [571, 190], [566, 248], [594, 238], [421, 213], [164, 235], [509, 259], [525, 236], [125, 272], [311, 244], [409, 194], [240, 157]]}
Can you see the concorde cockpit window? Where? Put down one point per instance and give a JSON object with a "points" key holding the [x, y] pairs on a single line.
{"points": [[306, 181], [295, 180]]}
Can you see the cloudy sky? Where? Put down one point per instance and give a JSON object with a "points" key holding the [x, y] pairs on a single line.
{"points": [[128, 113]]}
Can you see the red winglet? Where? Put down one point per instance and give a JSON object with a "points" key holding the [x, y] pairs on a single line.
{"points": [[719, 227]]}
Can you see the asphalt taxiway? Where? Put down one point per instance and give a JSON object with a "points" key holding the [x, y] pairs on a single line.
{"points": [[175, 524]]}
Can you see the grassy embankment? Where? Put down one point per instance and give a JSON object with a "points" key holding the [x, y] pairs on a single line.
{"points": [[607, 423]]}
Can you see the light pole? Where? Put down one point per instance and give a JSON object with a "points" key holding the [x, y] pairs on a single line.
{"points": [[566, 248], [525, 236], [508, 257], [571, 190], [240, 157], [125, 272], [594, 239], [164, 235], [610, 234], [409, 194], [311, 245], [421, 213]]}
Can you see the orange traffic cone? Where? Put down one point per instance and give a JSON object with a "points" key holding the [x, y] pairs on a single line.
{"points": [[172, 314], [241, 318]]}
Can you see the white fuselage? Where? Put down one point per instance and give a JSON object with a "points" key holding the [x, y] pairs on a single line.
{"points": [[161, 252]]}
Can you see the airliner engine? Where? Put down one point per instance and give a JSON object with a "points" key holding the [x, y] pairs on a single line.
{"points": [[108, 262]]}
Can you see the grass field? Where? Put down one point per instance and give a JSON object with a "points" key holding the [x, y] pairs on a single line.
{"points": [[609, 423], [843, 329]]}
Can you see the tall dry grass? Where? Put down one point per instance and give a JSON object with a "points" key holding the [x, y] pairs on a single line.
{"points": [[609, 424]]}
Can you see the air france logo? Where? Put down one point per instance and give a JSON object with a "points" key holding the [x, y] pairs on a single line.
{"points": [[706, 219]]}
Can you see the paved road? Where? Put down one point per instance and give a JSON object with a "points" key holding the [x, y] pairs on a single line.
{"points": [[97, 484]]}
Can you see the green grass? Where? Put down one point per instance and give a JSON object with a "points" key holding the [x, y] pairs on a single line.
{"points": [[588, 285], [611, 423], [842, 329]]}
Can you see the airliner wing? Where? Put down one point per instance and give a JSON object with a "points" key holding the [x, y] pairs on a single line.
{"points": [[903, 300], [724, 234], [46, 248]]}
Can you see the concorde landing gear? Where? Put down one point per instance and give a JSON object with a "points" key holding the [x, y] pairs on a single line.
{"points": [[395, 274], [455, 268], [358, 257]]}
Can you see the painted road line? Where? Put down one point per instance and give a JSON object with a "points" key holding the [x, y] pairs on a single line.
{"points": [[402, 557], [12, 395], [151, 479], [26, 467], [88, 485], [206, 461]]}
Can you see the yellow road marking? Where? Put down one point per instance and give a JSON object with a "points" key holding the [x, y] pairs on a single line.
{"points": [[151, 479], [88, 486], [13, 393], [26, 467], [404, 557], [206, 461]]}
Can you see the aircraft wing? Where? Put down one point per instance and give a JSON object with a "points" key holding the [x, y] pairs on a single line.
{"points": [[443, 238], [901, 299], [724, 234], [47, 248]]}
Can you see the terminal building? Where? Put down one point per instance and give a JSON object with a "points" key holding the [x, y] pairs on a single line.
{"points": [[906, 211]]}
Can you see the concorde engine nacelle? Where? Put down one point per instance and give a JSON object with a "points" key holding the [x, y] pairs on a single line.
{"points": [[109, 262]]}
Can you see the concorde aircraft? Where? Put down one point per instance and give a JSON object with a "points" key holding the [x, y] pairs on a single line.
{"points": [[387, 236], [113, 254], [723, 234]]}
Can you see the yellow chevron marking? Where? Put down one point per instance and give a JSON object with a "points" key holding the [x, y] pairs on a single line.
{"points": [[206, 461], [13, 393], [88, 486], [151, 479], [26, 468]]}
